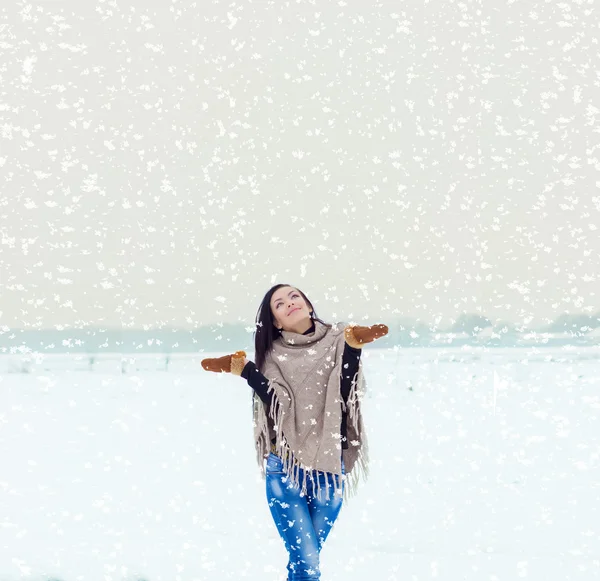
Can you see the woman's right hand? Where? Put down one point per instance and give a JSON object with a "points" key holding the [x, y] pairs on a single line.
{"points": [[227, 364]]}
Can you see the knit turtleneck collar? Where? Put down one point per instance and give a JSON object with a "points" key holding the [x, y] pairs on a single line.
{"points": [[315, 333]]}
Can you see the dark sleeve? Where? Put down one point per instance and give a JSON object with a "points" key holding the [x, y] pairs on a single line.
{"points": [[350, 361], [257, 381]]}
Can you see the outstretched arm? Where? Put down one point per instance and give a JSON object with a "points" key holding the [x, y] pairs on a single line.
{"points": [[350, 361], [257, 381], [356, 337], [238, 364]]}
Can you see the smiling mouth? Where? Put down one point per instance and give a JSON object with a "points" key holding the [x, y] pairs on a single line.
{"points": [[293, 311]]}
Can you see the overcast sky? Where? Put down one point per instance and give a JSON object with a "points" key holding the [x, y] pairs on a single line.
{"points": [[164, 165]]}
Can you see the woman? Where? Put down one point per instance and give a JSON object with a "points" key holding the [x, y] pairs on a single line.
{"points": [[308, 383]]}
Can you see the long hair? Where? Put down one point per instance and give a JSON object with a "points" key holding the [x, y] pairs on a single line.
{"points": [[266, 332]]}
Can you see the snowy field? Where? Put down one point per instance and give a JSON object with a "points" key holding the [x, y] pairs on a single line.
{"points": [[484, 466]]}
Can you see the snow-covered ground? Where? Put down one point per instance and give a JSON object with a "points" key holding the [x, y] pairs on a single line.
{"points": [[485, 465]]}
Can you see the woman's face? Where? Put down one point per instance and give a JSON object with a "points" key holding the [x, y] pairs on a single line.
{"points": [[290, 311]]}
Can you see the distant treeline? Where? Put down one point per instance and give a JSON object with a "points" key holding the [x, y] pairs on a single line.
{"points": [[469, 328]]}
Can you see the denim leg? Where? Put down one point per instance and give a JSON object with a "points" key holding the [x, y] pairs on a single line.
{"points": [[294, 523], [323, 512]]}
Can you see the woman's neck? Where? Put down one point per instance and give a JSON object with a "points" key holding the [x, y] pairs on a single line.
{"points": [[311, 329]]}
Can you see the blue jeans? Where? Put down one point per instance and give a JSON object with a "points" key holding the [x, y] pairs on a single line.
{"points": [[303, 522]]}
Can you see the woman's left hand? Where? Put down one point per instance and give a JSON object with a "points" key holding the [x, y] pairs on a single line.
{"points": [[357, 336]]}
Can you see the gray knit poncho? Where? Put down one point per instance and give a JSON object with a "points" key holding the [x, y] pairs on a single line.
{"points": [[304, 373]]}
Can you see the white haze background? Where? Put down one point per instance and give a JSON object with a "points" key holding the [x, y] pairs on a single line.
{"points": [[165, 163]]}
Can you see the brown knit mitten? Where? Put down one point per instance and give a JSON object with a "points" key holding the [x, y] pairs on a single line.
{"points": [[358, 336], [226, 364]]}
